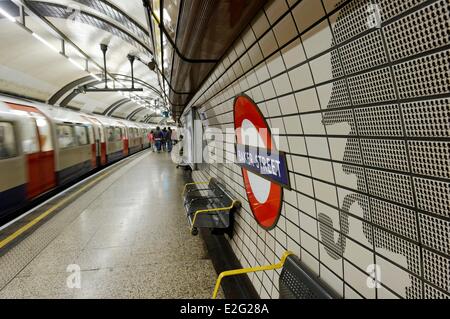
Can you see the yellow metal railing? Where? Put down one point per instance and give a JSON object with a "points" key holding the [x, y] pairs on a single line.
{"points": [[248, 270], [194, 183], [201, 211]]}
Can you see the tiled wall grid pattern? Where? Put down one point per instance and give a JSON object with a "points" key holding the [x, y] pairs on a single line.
{"points": [[364, 115]]}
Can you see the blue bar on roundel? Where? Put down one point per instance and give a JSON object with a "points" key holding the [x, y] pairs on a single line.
{"points": [[270, 165]]}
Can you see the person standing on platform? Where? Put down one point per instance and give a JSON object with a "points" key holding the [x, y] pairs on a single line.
{"points": [[151, 140], [158, 137], [169, 140], [164, 139]]}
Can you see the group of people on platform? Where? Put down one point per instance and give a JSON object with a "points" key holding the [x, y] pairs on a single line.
{"points": [[162, 140]]}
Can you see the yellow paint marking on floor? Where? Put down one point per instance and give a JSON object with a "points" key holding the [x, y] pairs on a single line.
{"points": [[24, 228]]}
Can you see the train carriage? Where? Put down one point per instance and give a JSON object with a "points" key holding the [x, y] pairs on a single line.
{"points": [[13, 168], [74, 138], [44, 146], [116, 138]]}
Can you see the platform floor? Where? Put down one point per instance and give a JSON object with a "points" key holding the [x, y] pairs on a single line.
{"points": [[127, 234]]}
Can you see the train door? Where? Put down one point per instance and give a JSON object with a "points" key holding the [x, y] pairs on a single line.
{"points": [[94, 148], [12, 168], [126, 141], [101, 144], [38, 147]]}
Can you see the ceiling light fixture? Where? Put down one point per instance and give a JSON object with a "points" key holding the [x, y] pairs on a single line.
{"points": [[7, 15], [95, 77], [42, 40], [76, 64]]}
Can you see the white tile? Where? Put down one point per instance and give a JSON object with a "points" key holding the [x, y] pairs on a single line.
{"points": [[282, 84], [358, 255], [333, 280], [358, 280], [268, 90], [275, 9], [292, 124], [255, 54], [322, 170], [275, 64], [318, 39], [276, 124], [307, 205], [290, 196], [330, 5], [306, 13], [393, 277], [337, 147], [245, 62], [307, 100], [293, 54], [324, 93], [318, 147], [239, 48], [282, 144], [327, 193], [262, 73], [321, 68], [312, 123], [251, 78], [288, 104], [268, 44], [309, 244], [350, 293], [285, 30], [301, 77], [301, 165], [304, 185], [308, 224], [248, 37], [260, 24], [297, 145], [272, 108], [291, 213]]}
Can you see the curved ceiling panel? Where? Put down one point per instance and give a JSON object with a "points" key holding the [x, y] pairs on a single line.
{"points": [[205, 29], [75, 56]]}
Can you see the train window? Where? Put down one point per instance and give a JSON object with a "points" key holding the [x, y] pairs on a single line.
{"points": [[81, 135], [118, 134], [111, 135], [102, 134], [30, 143], [7, 141], [65, 136], [91, 135], [45, 134]]}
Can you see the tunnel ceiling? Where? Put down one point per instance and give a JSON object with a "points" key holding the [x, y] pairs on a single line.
{"points": [[191, 38], [51, 51]]}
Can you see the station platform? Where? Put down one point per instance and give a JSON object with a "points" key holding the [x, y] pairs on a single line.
{"points": [[124, 229]]}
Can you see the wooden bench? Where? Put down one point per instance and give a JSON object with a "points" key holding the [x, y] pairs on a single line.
{"points": [[296, 281], [208, 205]]}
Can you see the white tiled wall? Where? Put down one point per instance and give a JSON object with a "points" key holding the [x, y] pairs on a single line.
{"points": [[363, 115]]}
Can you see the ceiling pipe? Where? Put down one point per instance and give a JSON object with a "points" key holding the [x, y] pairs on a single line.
{"points": [[104, 48], [131, 59]]}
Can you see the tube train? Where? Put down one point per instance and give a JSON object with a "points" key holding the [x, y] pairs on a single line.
{"points": [[43, 147]]}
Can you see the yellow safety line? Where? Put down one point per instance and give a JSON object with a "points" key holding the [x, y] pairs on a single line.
{"points": [[247, 270], [195, 183], [211, 210], [24, 228]]}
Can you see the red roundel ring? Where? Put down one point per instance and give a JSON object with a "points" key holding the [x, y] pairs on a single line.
{"points": [[264, 196]]}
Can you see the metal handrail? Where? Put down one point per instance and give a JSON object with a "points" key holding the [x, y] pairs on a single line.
{"points": [[201, 211], [248, 270]]}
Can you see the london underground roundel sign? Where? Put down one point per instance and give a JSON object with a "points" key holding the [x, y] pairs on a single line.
{"points": [[264, 169]]}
